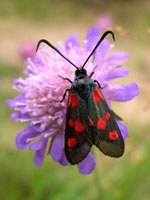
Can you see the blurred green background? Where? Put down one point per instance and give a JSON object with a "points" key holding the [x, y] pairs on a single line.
{"points": [[127, 178]]}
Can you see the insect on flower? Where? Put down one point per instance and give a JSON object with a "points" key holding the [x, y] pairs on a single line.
{"points": [[89, 121]]}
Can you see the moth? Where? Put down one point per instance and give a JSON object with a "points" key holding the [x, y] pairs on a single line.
{"points": [[89, 120]]}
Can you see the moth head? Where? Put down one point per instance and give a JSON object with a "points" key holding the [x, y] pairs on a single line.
{"points": [[80, 72]]}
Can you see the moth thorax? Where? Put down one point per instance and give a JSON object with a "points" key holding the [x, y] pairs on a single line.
{"points": [[83, 88]]}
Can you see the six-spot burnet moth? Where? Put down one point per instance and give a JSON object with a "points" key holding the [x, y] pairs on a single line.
{"points": [[88, 120]]}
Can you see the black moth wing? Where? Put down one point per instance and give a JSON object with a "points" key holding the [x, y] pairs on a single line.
{"points": [[106, 133], [78, 133]]}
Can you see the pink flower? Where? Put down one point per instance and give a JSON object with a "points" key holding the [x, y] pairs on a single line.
{"points": [[40, 88], [103, 22], [27, 50]]}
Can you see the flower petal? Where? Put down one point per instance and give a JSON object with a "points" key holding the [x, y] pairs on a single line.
{"points": [[117, 58], [24, 137], [39, 155], [103, 48], [49, 133], [57, 147], [91, 38], [63, 161], [17, 116], [99, 59], [117, 72], [72, 42], [19, 82], [87, 165], [35, 146], [116, 92], [123, 129], [103, 22], [17, 102]]}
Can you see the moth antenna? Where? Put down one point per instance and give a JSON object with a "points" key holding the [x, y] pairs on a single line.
{"points": [[101, 39], [50, 45]]}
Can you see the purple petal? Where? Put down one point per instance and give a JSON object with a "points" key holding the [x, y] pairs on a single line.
{"points": [[10, 103], [24, 137], [63, 161], [39, 155], [49, 133], [87, 165], [116, 92], [35, 146], [41, 126], [117, 72], [19, 82], [117, 58], [91, 38], [104, 48], [72, 42], [57, 147], [37, 60], [123, 129], [18, 101], [99, 59], [17, 116]]}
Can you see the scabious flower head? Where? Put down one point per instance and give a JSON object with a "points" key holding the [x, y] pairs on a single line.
{"points": [[103, 22], [27, 50], [41, 87]]}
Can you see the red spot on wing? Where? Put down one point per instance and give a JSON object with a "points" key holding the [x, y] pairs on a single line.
{"points": [[90, 120], [70, 122], [113, 135], [107, 115], [99, 92], [78, 127], [96, 96], [72, 142], [69, 99], [101, 124], [74, 101]]}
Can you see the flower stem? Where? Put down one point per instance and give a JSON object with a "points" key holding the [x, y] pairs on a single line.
{"points": [[98, 184]]}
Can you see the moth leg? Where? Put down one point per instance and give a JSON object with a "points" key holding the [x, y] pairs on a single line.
{"points": [[65, 78], [91, 74], [67, 90], [93, 71], [98, 84]]}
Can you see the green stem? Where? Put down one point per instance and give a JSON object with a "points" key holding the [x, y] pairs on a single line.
{"points": [[98, 184], [99, 188]]}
